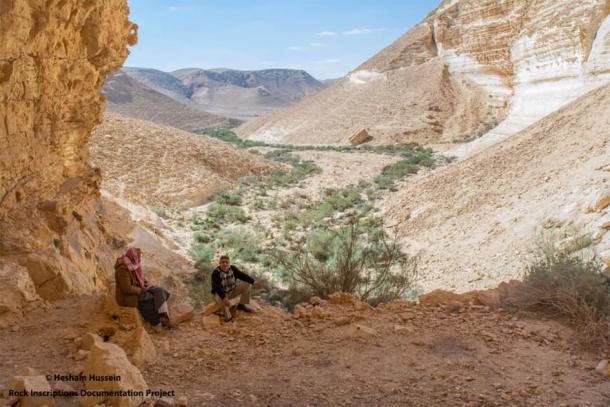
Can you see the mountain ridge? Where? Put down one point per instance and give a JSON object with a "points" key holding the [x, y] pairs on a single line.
{"points": [[238, 94]]}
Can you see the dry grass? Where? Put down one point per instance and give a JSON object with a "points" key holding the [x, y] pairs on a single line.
{"points": [[572, 288]]}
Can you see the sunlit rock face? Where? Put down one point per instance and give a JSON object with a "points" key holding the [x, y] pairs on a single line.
{"points": [[54, 58], [510, 62]]}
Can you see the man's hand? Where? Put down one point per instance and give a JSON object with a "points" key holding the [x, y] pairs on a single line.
{"points": [[227, 302]]}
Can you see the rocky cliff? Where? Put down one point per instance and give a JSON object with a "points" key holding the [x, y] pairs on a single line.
{"points": [[507, 61], [54, 59]]}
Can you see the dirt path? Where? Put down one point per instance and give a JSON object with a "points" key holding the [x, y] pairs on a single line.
{"points": [[432, 356]]}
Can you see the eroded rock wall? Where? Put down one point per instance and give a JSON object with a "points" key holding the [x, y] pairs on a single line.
{"points": [[54, 57]]}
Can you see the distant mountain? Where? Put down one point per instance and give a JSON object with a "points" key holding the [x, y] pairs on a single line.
{"points": [[132, 98], [237, 94]]}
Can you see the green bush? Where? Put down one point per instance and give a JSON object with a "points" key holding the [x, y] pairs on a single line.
{"points": [[202, 237], [240, 242], [220, 213], [349, 259], [203, 255], [232, 198]]}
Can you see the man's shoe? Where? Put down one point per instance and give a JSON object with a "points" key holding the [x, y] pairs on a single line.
{"points": [[244, 308]]}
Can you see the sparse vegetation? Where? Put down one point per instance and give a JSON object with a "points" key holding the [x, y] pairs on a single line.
{"points": [[335, 243], [572, 287]]}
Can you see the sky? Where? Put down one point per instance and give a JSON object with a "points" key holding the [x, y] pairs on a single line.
{"points": [[327, 38]]}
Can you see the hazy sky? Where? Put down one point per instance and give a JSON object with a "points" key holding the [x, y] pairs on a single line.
{"points": [[327, 38]]}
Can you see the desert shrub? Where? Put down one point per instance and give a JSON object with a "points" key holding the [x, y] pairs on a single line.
{"points": [[349, 259], [258, 205], [571, 287], [342, 199], [290, 224], [232, 198], [161, 212], [219, 213], [199, 287], [229, 136], [395, 172], [301, 169], [202, 237], [240, 242], [203, 254]]}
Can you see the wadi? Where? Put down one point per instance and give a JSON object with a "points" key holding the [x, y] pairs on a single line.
{"points": [[431, 228]]}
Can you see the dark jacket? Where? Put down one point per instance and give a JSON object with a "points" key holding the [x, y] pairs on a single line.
{"points": [[127, 288], [217, 281]]}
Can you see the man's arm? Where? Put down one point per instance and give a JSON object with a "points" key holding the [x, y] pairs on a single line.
{"points": [[240, 275], [217, 284], [124, 283]]}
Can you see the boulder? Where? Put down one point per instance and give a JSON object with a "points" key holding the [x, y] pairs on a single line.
{"points": [[603, 368], [604, 222], [140, 347], [403, 329], [128, 318], [361, 331], [438, 297], [18, 288], [597, 201], [210, 309], [299, 311], [109, 362], [359, 137], [81, 354], [341, 298], [210, 322], [315, 301], [31, 384], [88, 340], [181, 313], [490, 298], [317, 312]]}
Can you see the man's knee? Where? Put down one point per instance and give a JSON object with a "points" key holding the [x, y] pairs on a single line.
{"points": [[243, 288]]}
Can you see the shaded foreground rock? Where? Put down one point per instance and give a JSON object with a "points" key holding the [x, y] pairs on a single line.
{"points": [[55, 57], [181, 313], [108, 360], [33, 384], [140, 347]]}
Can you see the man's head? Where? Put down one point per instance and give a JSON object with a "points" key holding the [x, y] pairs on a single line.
{"points": [[224, 262]]}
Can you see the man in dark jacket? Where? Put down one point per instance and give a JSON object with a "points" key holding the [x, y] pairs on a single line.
{"points": [[227, 292]]}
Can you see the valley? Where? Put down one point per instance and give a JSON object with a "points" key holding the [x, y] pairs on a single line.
{"points": [[458, 255]]}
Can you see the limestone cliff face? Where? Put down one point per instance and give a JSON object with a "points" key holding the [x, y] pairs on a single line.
{"points": [[54, 58], [509, 61]]}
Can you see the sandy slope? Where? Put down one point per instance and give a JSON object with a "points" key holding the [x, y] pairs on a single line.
{"points": [[473, 222], [146, 163]]}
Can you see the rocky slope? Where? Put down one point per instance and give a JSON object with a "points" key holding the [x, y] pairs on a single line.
{"points": [[509, 62], [55, 58], [150, 164], [447, 350], [129, 97], [237, 94], [480, 220]]}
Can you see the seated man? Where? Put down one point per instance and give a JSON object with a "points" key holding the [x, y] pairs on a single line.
{"points": [[132, 290], [225, 287]]}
